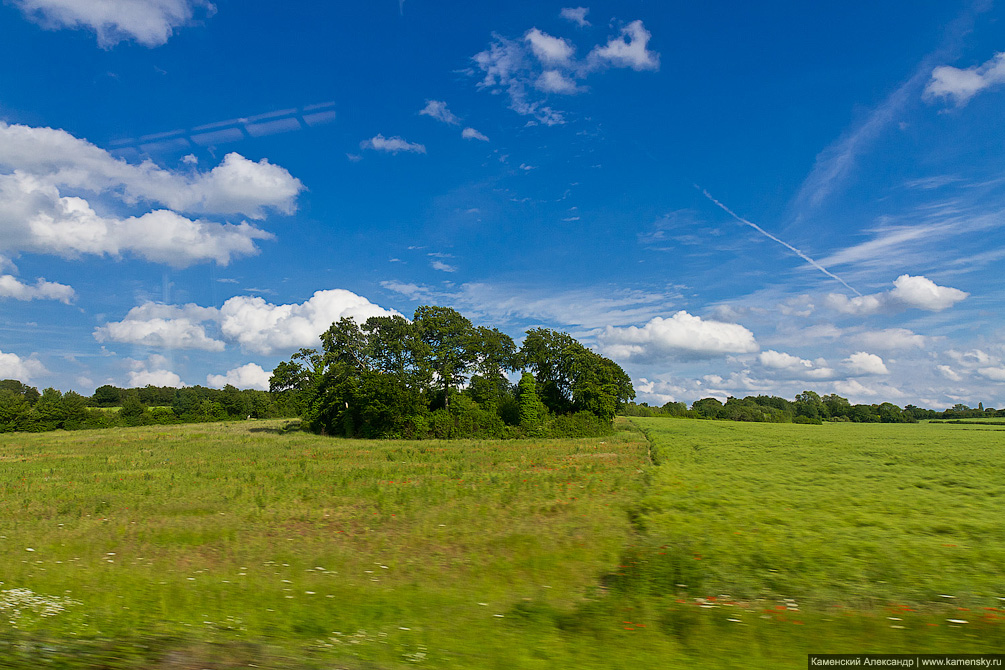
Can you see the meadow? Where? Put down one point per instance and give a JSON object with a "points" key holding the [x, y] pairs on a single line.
{"points": [[671, 543]]}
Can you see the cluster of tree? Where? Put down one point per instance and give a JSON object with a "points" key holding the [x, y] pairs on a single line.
{"points": [[440, 376], [23, 408], [807, 407]]}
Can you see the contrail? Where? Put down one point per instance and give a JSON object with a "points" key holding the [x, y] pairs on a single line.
{"points": [[788, 246]]}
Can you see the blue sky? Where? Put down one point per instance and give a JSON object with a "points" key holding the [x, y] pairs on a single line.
{"points": [[725, 198]]}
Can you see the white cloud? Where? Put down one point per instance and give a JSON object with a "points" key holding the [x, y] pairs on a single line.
{"points": [[627, 50], [548, 64], [949, 373], [153, 372], [576, 14], [437, 109], [13, 366], [168, 326], [917, 292], [862, 363], [236, 186], [391, 145], [442, 267], [472, 134], [262, 327], [35, 218], [682, 335], [962, 85], [796, 367], [10, 287], [553, 81], [38, 164], [148, 22], [550, 51], [506, 68], [891, 339], [995, 374], [923, 293], [247, 376], [251, 322], [855, 390]]}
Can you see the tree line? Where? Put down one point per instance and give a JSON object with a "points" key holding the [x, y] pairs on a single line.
{"points": [[807, 407], [23, 408], [440, 376]]}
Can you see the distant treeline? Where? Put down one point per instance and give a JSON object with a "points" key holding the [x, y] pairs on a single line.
{"points": [[807, 407], [23, 408]]}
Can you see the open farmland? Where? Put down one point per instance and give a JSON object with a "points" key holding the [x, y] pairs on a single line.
{"points": [[224, 545]]}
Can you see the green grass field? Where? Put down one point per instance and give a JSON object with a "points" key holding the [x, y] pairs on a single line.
{"points": [[719, 544]]}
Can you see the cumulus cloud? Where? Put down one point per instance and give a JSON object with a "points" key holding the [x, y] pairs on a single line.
{"points": [[908, 292], [262, 327], [854, 389], [237, 186], [437, 109], [391, 145], [682, 335], [994, 374], [472, 134], [630, 49], [576, 14], [539, 64], [11, 287], [553, 81], [551, 51], [163, 326], [442, 267], [961, 85], [38, 165], [250, 322], [148, 22], [247, 376], [923, 293], [863, 363], [13, 366], [153, 372], [795, 367]]}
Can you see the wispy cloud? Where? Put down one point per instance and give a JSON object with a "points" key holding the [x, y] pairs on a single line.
{"points": [[788, 246], [835, 164], [575, 14], [437, 109], [147, 22], [529, 69], [392, 145], [963, 84], [472, 134], [589, 307]]}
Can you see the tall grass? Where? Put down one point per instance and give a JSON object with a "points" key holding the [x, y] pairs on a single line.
{"points": [[744, 545]]}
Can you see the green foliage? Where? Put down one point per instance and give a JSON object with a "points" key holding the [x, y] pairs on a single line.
{"points": [[532, 410], [393, 378], [106, 396], [29, 393]]}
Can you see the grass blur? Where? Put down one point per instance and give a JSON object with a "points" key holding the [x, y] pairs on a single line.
{"points": [[748, 545], [237, 534]]}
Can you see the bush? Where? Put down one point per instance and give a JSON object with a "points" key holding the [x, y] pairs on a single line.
{"points": [[810, 420], [580, 424]]}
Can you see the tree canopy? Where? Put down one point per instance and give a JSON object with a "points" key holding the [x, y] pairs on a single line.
{"points": [[440, 375]]}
